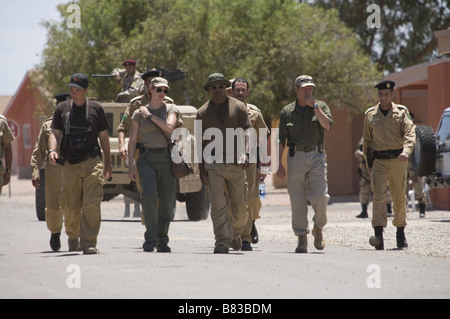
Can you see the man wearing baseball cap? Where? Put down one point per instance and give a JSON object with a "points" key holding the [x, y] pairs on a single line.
{"points": [[132, 84], [302, 126], [79, 124]]}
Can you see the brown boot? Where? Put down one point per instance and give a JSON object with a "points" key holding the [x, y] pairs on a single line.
{"points": [[319, 243], [302, 247]]}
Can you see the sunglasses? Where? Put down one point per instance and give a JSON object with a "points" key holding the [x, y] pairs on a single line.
{"points": [[215, 87], [159, 90]]}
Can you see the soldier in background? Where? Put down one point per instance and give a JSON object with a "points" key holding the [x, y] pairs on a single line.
{"points": [[132, 84], [365, 192], [55, 206], [240, 91], [6, 138]]}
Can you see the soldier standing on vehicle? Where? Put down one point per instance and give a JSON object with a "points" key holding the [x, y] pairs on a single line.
{"points": [[240, 91], [302, 125], [79, 124], [6, 138], [55, 205], [132, 84], [219, 169], [389, 138]]}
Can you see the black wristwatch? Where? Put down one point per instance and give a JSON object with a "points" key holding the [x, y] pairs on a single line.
{"points": [[50, 151], [149, 117]]}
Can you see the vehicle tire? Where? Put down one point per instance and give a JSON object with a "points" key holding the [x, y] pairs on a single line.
{"points": [[197, 205], [423, 158], [40, 197]]}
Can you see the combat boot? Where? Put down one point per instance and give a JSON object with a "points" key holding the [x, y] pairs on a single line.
{"points": [[422, 210], [377, 240], [55, 242], [319, 243], [364, 212], [401, 239], [302, 247]]}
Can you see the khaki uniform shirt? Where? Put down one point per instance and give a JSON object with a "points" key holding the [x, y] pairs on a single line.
{"points": [[256, 119], [6, 137], [132, 85], [391, 132], [301, 126]]}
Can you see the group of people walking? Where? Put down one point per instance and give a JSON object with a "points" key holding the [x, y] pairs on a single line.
{"points": [[78, 124]]}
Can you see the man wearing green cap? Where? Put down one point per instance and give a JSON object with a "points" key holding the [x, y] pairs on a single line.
{"points": [[223, 168]]}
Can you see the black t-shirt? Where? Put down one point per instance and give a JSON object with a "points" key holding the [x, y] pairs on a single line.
{"points": [[80, 126]]}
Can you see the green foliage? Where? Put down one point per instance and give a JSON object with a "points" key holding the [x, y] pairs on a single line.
{"points": [[268, 42]]}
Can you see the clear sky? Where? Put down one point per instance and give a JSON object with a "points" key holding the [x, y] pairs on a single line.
{"points": [[22, 38]]}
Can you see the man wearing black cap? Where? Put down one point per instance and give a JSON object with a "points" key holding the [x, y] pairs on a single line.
{"points": [[55, 207], [79, 124], [389, 139], [132, 84]]}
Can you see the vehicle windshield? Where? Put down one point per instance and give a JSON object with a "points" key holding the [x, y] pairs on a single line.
{"points": [[444, 128]]}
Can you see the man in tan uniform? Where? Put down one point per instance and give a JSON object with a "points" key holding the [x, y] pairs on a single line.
{"points": [[240, 90], [389, 138], [55, 206], [220, 169], [132, 85], [6, 138]]}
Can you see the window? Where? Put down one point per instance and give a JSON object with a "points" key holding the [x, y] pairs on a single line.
{"points": [[26, 136]]}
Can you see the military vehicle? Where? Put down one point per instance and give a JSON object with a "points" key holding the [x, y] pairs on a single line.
{"points": [[431, 156], [189, 189]]}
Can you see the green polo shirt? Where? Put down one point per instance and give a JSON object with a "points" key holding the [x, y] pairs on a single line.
{"points": [[301, 126]]}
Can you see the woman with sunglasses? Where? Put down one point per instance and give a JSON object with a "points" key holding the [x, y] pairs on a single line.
{"points": [[152, 125]]}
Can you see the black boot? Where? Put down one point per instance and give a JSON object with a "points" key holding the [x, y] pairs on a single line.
{"points": [[401, 239], [364, 212], [422, 210], [55, 242], [377, 240]]}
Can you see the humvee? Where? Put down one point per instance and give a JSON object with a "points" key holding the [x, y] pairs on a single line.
{"points": [[189, 189], [431, 156]]}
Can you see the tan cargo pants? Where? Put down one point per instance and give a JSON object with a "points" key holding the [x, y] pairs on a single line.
{"points": [[228, 224], [392, 172], [82, 188], [253, 202], [55, 203], [307, 180]]}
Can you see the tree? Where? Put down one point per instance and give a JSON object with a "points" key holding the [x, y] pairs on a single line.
{"points": [[406, 35], [269, 42]]}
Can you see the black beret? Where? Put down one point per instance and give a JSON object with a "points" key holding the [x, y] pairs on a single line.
{"points": [[151, 73], [385, 85]]}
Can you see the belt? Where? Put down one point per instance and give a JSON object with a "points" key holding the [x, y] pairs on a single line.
{"points": [[388, 154], [155, 150], [306, 149]]}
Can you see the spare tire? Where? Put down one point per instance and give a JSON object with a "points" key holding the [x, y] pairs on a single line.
{"points": [[423, 158]]}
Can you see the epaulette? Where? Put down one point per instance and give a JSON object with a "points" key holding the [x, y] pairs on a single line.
{"points": [[253, 107], [3, 117], [370, 109], [402, 107], [136, 98]]}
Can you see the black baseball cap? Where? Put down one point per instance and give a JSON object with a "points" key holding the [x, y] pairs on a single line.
{"points": [[79, 81]]}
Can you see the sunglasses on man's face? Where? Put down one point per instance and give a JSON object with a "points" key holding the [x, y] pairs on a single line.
{"points": [[215, 87], [159, 90]]}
